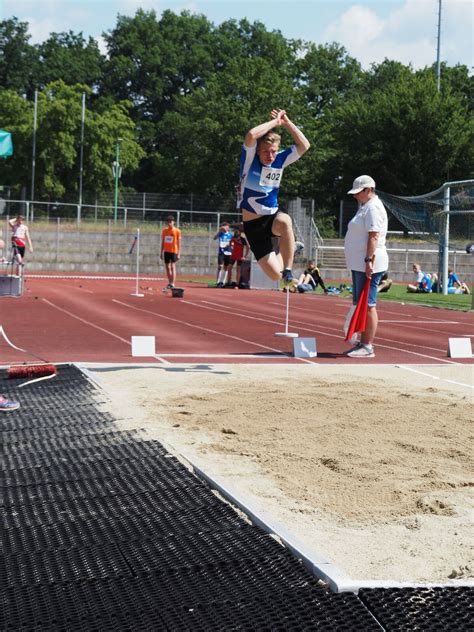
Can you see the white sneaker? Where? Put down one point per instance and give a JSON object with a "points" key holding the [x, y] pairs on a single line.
{"points": [[361, 351]]}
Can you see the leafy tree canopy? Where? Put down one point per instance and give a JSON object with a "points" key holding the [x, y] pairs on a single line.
{"points": [[181, 92]]}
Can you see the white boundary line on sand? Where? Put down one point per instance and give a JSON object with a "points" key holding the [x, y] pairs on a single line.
{"points": [[316, 563], [433, 377]]}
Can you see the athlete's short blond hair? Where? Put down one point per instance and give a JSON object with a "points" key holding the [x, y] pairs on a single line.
{"points": [[269, 138]]}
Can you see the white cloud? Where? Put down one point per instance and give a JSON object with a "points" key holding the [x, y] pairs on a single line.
{"points": [[408, 34], [54, 16], [40, 29], [102, 44]]}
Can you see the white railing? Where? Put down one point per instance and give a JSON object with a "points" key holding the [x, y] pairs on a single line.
{"points": [[411, 255]]}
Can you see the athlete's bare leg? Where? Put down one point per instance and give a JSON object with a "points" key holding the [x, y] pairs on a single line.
{"points": [[282, 227]]}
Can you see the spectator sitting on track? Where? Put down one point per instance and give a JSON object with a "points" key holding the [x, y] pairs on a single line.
{"points": [[224, 253], [455, 286], [385, 283], [240, 249], [423, 281], [310, 279]]}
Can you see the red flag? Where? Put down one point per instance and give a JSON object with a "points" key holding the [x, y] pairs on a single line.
{"points": [[359, 317]]}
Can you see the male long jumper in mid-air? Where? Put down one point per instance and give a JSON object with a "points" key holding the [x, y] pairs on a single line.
{"points": [[261, 170]]}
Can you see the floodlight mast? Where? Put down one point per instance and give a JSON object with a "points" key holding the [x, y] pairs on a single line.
{"points": [[33, 158], [81, 160], [438, 56]]}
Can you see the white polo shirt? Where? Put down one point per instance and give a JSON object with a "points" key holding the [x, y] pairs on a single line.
{"points": [[370, 217]]}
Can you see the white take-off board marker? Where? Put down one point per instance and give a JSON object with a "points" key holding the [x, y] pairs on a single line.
{"points": [[304, 348], [143, 346], [460, 348]]}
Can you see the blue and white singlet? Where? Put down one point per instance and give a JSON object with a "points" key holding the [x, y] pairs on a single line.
{"points": [[259, 183], [224, 243]]}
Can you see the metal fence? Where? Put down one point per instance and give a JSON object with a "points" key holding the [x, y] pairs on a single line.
{"points": [[123, 215], [188, 211]]}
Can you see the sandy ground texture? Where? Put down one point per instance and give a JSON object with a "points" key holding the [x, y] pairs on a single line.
{"points": [[369, 466]]}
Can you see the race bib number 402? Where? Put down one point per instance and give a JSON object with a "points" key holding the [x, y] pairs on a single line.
{"points": [[270, 177]]}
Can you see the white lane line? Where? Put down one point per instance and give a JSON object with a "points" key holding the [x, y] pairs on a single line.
{"points": [[87, 322], [434, 377], [278, 356], [422, 322], [306, 327], [213, 331]]}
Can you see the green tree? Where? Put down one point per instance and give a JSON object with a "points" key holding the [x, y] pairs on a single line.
{"points": [[58, 141], [456, 78], [403, 132], [235, 40], [201, 136], [151, 62], [200, 141], [70, 58], [16, 115], [326, 74], [18, 58]]}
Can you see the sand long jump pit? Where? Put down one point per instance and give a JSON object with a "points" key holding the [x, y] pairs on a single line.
{"points": [[370, 467]]}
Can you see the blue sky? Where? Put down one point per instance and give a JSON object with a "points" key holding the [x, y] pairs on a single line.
{"points": [[370, 30]]}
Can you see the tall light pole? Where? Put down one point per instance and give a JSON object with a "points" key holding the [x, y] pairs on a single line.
{"points": [[81, 159], [117, 171], [438, 52], [33, 158]]}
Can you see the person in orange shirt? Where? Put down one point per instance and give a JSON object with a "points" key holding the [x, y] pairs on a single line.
{"points": [[170, 249]]}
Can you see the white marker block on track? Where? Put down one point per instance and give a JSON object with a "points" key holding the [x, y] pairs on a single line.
{"points": [[143, 346], [304, 348], [459, 348]]}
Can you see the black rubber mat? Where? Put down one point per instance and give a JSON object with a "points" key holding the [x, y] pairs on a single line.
{"points": [[104, 530], [431, 609], [117, 452]]}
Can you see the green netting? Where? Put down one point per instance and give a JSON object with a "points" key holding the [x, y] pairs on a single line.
{"points": [[450, 208]]}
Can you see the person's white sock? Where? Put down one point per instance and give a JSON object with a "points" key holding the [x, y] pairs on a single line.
{"points": [[222, 276]]}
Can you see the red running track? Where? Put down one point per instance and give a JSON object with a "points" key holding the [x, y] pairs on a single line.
{"points": [[92, 320]]}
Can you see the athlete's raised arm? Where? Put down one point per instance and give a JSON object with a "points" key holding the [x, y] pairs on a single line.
{"points": [[257, 132], [301, 142]]}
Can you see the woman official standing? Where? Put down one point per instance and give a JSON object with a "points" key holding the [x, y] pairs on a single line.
{"points": [[366, 256]]}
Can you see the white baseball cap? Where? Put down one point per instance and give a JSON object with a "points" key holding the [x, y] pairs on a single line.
{"points": [[362, 182]]}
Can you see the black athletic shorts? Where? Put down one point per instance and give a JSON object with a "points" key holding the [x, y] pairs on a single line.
{"points": [[18, 250], [260, 236], [170, 257], [223, 260]]}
